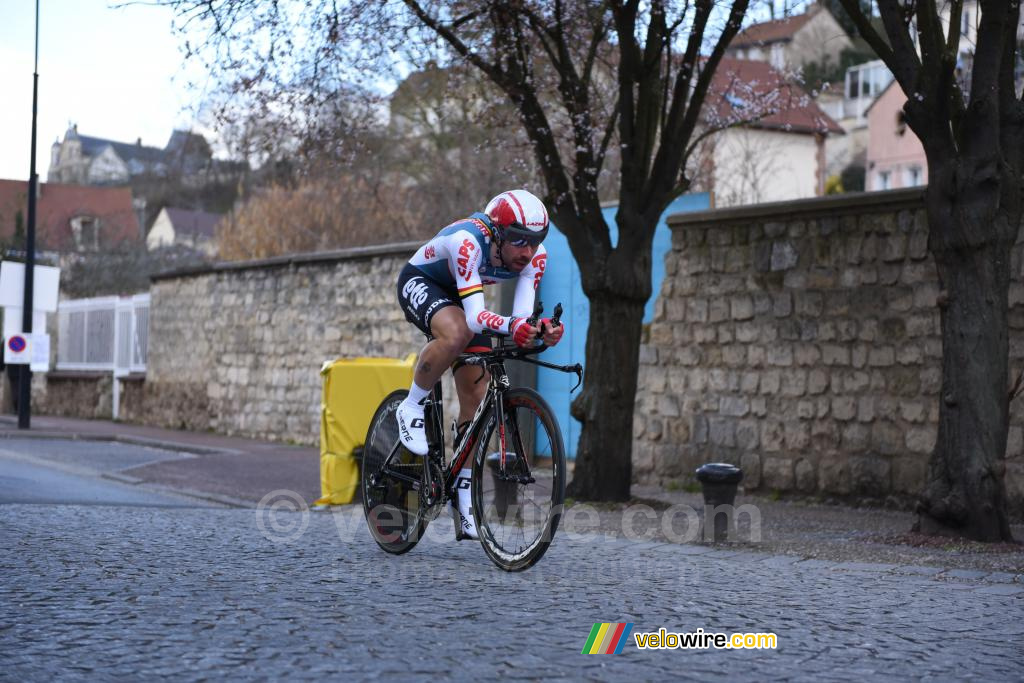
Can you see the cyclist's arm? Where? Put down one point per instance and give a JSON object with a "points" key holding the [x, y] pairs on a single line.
{"points": [[464, 260], [528, 283]]}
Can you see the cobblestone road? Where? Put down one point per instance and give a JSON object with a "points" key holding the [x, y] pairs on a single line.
{"points": [[100, 593]]}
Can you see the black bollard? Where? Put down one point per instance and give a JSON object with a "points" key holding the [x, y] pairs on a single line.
{"points": [[718, 481]]}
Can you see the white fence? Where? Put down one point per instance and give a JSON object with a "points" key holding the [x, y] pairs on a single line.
{"points": [[107, 333]]}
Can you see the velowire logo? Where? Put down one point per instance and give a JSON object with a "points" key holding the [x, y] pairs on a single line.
{"points": [[607, 638]]}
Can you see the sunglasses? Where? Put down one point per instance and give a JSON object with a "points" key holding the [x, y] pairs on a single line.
{"points": [[527, 242], [521, 237]]}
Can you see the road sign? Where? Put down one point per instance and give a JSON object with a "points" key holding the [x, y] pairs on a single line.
{"points": [[17, 350], [45, 285]]}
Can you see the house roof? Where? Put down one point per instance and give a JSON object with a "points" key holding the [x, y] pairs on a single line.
{"points": [[181, 143], [57, 204], [195, 223], [127, 151], [776, 31], [187, 142], [752, 91]]}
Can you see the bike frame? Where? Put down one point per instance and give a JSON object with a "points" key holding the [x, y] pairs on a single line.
{"points": [[492, 362]]}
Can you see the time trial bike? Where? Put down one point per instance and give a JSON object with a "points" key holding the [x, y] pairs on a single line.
{"points": [[518, 465]]}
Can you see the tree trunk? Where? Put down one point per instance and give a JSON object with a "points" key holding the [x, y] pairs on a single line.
{"points": [[604, 467], [964, 493]]}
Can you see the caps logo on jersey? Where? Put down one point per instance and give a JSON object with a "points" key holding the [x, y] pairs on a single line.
{"points": [[465, 254]]}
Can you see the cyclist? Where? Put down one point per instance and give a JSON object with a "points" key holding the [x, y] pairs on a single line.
{"points": [[441, 292]]}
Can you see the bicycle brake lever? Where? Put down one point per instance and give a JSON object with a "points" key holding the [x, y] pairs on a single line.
{"points": [[578, 369]]}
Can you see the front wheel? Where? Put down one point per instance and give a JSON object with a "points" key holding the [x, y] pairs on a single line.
{"points": [[517, 504]]}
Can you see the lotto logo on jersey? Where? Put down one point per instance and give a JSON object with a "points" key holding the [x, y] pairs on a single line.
{"points": [[429, 253], [540, 262], [415, 291], [491, 320], [465, 254]]}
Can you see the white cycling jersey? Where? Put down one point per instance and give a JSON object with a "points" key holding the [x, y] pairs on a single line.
{"points": [[458, 259]]}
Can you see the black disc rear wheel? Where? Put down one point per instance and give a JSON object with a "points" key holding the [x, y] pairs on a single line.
{"points": [[392, 505]]}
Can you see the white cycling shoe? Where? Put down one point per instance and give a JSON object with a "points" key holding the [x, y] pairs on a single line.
{"points": [[410, 427], [465, 524]]}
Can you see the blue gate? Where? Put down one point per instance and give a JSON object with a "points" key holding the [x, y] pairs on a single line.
{"points": [[561, 283]]}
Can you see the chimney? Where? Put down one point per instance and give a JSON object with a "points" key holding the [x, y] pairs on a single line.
{"points": [[139, 204]]}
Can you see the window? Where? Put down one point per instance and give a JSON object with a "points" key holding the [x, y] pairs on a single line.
{"points": [[884, 180], [86, 231], [853, 84], [912, 176]]}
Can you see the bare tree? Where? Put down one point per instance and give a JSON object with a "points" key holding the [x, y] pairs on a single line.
{"points": [[654, 56], [449, 142], [551, 63], [974, 142]]}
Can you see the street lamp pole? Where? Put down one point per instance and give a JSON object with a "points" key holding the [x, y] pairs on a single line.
{"points": [[25, 382]]}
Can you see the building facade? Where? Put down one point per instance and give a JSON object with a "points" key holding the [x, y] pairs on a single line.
{"points": [[895, 156]]}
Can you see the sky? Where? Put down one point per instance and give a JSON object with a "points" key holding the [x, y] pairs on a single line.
{"points": [[113, 68], [115, 71]]}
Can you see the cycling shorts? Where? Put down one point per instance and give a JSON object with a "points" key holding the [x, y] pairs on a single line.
{"points": [[421, 298]]}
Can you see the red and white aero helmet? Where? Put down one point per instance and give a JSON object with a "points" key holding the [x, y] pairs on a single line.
{"points": [[519, 217]]}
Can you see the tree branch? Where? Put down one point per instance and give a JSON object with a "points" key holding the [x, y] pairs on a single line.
{"points": [[492, 70], [686, 107], [863, 23], [1011, 109], [609, 131], [988, 53]]}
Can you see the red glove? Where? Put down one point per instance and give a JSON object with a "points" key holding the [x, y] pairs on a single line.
{"points": [[552, 334], [523, 333]]}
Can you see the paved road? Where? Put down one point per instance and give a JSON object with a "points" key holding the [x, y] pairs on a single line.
{"points": [[103, 592]]}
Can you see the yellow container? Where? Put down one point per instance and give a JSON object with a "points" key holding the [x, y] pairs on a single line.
{"points": [[352, 390]]}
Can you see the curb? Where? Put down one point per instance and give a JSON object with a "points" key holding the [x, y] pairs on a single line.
{"points": [[217, 498], [122, 438], [129, 480]]}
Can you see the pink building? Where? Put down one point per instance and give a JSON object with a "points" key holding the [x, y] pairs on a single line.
{"points": [[895, 157]]}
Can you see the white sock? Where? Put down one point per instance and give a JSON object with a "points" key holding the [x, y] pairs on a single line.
{"points": [[417, 393], [465, 495]]}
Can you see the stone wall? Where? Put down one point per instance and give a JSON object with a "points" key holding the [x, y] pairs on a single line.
{"points": [[73, 394], [237, 348], [801, 342]]}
